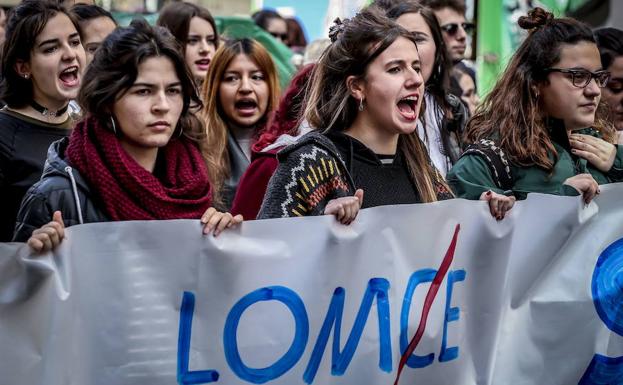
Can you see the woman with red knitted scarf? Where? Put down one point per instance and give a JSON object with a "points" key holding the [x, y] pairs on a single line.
{"points": [[285, 126], [137, 155]]}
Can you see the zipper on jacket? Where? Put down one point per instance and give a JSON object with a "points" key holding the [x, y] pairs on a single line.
{"points": [[74, 189]]}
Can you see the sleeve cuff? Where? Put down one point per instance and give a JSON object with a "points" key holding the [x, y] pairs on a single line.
{"points": [[616, 171]]}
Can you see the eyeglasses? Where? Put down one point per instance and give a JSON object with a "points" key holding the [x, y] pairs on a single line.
{"points": [[281, 36], [452, 28], [580, 77]]}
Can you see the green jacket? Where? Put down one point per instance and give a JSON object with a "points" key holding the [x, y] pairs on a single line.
{"points": [[471, 175]]}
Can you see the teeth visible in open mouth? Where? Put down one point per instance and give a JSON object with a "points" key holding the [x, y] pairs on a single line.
{"points": [[408, 106], [69, 70], [411, 101]]}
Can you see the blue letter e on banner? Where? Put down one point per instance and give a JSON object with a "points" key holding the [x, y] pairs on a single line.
{"points": [[607, 290]]}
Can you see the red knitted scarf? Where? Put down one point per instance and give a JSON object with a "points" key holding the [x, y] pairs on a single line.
{"points": [[127, 190]]}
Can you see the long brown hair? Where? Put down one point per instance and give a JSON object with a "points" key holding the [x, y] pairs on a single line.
{"points": [[213, 116], [355, 44], [511, 113]]}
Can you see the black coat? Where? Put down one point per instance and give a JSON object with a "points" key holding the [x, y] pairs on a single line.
{"points": [[61, 188]]}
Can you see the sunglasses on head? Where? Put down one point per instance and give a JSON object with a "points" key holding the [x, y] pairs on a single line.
{"points": [[282, 36], [452, 28]]}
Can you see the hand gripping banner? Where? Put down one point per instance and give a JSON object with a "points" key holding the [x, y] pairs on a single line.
{"points": [[416, 294]]}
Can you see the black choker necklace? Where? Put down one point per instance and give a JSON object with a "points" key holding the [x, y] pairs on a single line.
{"points": [[45, 112]]}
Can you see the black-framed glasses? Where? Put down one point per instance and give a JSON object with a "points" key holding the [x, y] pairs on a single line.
{"points": [[452, 28], [581, 77], [281, 36]]}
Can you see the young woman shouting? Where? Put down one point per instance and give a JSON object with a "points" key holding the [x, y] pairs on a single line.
{"points": [[136, 155]]}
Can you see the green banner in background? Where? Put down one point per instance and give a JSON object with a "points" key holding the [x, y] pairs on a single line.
{"points": [[493, 44]]}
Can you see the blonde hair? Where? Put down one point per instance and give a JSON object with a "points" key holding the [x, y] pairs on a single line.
{"points": [[212, 115]]}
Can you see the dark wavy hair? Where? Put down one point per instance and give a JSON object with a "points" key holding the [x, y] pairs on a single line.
{"points": [[176, 18], [511, 111], [330, 106], [85, 12], [26, 21], [610, 44], [263, 17], [114, 70], [456, 5]]}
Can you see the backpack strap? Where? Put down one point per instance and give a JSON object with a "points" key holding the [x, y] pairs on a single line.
{"points": [[496, 159]]}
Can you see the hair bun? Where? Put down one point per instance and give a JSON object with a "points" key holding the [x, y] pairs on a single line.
{"points": [[336, 29], [536, 18]]}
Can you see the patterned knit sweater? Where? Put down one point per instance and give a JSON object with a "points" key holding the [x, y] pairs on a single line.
{"points": [[319, 168], [311, 172]]}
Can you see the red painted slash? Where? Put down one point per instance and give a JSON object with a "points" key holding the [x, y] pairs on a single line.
{"points": [[428, 302]]}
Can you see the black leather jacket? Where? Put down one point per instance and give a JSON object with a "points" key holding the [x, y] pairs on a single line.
{"points": [[61, 188]]}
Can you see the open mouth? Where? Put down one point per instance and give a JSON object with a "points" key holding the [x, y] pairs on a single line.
{"points": [[69, 77], [246, 106], [203, 64], [408, 107]]}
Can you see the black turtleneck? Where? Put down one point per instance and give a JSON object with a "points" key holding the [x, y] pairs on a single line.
{"points": [[383, 183]]}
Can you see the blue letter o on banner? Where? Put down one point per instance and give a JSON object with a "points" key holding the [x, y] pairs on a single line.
{"points": [[290, 358], [607, 287]]}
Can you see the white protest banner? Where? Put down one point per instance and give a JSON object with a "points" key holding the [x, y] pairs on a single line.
{"points": [[533, 299]]}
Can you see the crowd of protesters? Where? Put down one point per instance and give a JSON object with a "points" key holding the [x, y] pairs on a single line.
{"points": [[179, 120]]}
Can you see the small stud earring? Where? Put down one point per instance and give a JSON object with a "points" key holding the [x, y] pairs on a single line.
{"points": [[26, 76]]}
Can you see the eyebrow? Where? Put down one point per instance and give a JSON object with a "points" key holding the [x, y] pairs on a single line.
{"points": [[585, 69], [239, 72], [50, 41], [55, 41], [150, 85], [400, 62], [199, 35]]}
